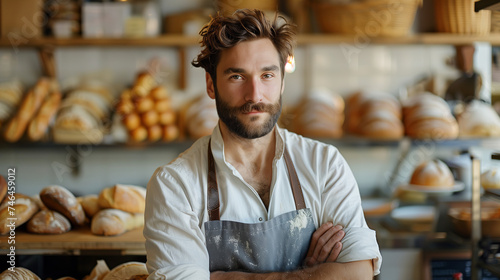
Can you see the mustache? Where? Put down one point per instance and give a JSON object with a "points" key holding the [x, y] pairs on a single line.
{"points": [[259, 107]]}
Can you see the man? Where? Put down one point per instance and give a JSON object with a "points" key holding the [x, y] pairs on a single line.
{"points": [[254, 201]]}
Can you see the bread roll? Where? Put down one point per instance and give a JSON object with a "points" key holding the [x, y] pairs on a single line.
{"points": [[124, 197], [3, 188], [159, 93], [60, 199], [110, 222], [139, 134], [170, 133], [143, 84], [127, 270], [144, 104], [48, 222], [24, 208], [154, 133], [167, 118], [132, 121], [90, 204], [19, 273], [490, 179], [163, 105], [434, 173], [150, 118]]}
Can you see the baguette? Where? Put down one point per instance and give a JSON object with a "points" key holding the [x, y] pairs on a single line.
{"points": [[124, 197], [19, 273], [14, 213], [110, 222], [28, 108], [63, 201], [39, 124], [48, 222]]}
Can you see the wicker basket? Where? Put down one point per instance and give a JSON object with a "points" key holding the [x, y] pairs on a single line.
{"points": [[229, 6], [458, 16], [369, 17]]}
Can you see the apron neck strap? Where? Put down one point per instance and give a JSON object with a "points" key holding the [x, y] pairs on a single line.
{"points": [[213, 190]]}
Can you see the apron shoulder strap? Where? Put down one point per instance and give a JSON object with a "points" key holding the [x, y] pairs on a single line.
{"points": [[294, 182], [213, 191]]}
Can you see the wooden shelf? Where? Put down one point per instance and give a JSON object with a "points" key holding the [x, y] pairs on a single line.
{"points": [[174, 40], [77, 240]]}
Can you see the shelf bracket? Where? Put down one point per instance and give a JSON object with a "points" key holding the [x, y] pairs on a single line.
{"points": [[48, 63]]}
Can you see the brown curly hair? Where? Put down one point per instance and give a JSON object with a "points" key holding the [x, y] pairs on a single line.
{"points": [[225, 32]]}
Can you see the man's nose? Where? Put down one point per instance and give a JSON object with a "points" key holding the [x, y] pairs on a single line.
{"points": [[254, 91]]}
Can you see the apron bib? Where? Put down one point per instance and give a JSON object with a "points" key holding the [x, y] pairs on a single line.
{"points": [[279, 244]]}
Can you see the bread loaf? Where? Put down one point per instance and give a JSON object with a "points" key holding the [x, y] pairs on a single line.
{"points": [[19, 273], [490, 179], [126, 271], [39, 124], [434, 173], [48, 222], [90, 204], [60, 199], [110, 222], [12, 215], [198, 117], [27, 110], [428, 116], [123, 197], [3, 188], [320, 114], [478, 120]]}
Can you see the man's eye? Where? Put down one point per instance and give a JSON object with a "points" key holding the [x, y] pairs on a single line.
{"points": [[267, 76], [235, 77]]}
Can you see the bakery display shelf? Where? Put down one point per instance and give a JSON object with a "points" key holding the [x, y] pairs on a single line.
{"points": [[493, 268], [75, 241], [492, 193], [179, 40]]}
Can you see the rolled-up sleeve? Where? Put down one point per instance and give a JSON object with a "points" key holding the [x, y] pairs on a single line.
{"points": [[341, 203], [175, 243]]}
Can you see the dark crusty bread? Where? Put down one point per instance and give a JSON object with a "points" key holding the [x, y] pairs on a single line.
{"points": [[60, 199], [48, 222]]}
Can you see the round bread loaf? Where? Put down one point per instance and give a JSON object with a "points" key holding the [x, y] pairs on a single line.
{"points": [[24, 208], [60, 199], [434, 173], [48, 222], [126, 271], [490, 179], [90, 204], [19, 273]]}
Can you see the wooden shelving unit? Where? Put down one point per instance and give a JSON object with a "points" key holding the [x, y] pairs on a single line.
{"points": [[174, 40]]}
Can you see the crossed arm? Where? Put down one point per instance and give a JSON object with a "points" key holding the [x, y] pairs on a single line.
{"points": [[320, 261]]}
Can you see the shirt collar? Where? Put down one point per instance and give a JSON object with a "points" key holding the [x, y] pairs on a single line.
{"points": [[218, 144]]}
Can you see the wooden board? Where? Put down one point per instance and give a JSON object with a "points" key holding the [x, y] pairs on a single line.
{"points": [[77, 239]]}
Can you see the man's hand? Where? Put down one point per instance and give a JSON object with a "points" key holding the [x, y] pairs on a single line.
{"points": [[325, 244]]}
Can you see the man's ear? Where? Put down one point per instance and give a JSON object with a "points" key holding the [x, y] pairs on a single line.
{"points": [[210, 85]]}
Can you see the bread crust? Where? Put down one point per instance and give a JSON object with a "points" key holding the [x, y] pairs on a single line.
{"points": [[48, 222], [434, 173], [60, 199], [109, 222], [24, 208], [124, 197]]}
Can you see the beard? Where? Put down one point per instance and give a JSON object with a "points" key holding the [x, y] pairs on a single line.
{"points": [[229, 116]]}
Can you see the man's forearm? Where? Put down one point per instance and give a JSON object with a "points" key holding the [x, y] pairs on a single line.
{"points": [[326, 271]]}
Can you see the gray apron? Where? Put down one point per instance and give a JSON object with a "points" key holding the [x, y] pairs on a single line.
{"points": [[279, 244]]}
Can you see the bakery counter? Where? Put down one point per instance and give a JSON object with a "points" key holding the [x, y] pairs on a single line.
{"points": [[75, 242]]}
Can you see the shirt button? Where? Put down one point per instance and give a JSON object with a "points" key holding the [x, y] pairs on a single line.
{"points": [[260, 219]]}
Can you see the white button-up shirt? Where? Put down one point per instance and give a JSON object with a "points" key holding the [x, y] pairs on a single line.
{"points": [[176, 203]]}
